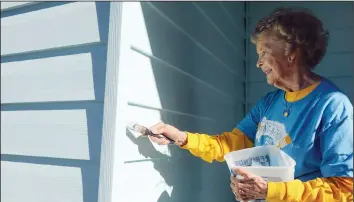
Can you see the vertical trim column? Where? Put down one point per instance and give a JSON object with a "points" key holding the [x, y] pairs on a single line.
{"points": [[113, 128], [247, 43]]}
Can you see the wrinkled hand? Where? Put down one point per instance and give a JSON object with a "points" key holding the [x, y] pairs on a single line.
{"points": [[250, 188], [178, 136]]}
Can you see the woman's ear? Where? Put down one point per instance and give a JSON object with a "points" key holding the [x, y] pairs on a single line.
{"points": [[294, 55], [291, 57]]}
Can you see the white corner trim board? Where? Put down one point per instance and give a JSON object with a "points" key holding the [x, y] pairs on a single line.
{"points": [[60, 26], [45, 133], [63, 78]]}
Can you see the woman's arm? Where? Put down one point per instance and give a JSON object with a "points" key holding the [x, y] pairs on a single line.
{"points": [[320, 189], [211, 148]]}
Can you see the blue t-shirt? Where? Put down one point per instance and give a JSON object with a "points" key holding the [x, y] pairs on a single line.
{"points": [[317, 134]]}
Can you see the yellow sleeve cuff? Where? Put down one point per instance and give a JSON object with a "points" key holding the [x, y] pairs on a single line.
{"points": [[276, 191], [192, 141]]}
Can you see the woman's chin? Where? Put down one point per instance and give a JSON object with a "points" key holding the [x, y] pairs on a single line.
{"points": [[270, 81]]}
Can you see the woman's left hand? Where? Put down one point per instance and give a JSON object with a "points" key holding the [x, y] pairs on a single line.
{"points": [[250, 188]]}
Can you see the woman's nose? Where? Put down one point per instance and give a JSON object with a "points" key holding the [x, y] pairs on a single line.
{"points": [[259, 64]]}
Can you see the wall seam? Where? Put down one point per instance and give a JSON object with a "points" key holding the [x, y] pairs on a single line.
{"points": [[246, 58]]}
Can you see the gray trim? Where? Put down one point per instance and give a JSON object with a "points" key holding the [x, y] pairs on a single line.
{"points": [[108, 160], [247, 44]]}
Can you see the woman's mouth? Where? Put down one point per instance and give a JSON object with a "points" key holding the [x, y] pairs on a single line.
{"points": [[267, 71]]}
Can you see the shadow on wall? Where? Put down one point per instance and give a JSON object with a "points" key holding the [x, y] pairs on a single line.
{"points": [[181, 173]]}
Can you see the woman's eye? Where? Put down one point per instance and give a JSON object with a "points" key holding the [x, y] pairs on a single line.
{"points": [[263, 53]]}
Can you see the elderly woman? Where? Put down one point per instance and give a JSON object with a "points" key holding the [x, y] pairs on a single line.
{"points": [[308, 117]]}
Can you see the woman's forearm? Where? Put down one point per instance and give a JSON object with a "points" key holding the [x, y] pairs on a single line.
{"points": [[214, 147], [319, 189]]}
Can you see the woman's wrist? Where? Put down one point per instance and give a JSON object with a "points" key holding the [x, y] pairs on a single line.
{"points": [[182, 139]]}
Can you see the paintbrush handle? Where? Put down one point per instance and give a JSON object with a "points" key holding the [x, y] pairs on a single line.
{"points": [[161, 136]]}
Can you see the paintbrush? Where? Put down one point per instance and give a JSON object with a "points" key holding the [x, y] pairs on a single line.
{"points": [[146, 132]]}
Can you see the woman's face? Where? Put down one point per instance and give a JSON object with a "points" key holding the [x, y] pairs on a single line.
{"points": [[272, 59]]}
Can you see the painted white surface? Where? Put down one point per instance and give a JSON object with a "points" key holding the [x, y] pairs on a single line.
{"points": [[56, 27], [138, 36], [63, 78], [23, 182], [143, 174], [12, 5], [52, 133], [140, 81]]}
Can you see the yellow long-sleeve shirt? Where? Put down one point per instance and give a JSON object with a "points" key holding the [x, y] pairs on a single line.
{"points": [[211, 148]]}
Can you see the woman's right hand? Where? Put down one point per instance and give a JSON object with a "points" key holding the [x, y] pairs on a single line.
{"points": [[178, 136]]}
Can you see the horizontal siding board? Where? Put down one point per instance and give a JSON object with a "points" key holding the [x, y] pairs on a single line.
{"points": [[13, 5], [181, 13], [236, 11], [40, 183], [75, 24], [226, 24], [64, 78], [157, 85], [213, 13], [45, 133]]}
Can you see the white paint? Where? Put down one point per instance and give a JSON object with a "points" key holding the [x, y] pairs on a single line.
{"points": [[56, 27], [140, 81], [138, 36], [63, 78], [131, 77], [52, 133], [40, 183]]}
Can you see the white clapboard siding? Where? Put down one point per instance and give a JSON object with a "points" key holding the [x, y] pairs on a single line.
{"points": [[40, 183], [66, 25], [13, 5], [64, 78], [52, 133]]}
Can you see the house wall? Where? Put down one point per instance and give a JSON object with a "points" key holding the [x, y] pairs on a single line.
{"points": [[53, 59]]}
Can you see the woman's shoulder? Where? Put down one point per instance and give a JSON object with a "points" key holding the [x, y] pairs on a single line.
{"points": [[334, 102], [329, 92]]}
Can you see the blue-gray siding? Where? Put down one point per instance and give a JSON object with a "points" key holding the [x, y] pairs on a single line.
{"points": [[53, 61]]}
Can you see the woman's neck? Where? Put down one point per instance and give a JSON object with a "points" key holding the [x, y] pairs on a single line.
{"points": [[299, 81]]}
